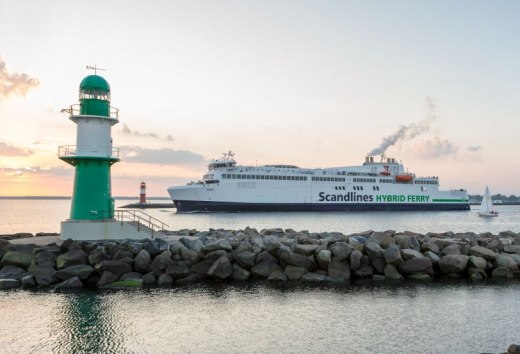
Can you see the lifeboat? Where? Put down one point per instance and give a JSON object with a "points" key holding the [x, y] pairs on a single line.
{"points": [[404, 178], [385, 173]]}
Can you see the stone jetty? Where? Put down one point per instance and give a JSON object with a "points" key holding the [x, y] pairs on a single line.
{"points": [[275, 255]]}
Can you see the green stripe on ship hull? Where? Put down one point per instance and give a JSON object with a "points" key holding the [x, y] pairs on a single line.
{"points": [[449, 200]]}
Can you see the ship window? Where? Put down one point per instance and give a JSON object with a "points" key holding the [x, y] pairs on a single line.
{"points": [[284, 178]]}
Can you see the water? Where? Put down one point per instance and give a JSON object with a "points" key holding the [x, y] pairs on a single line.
{"points": [[45, 216], [258, 318], [413, 318]]}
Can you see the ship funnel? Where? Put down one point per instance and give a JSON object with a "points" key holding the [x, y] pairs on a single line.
{"points": [[367, 159], [371, 159]]}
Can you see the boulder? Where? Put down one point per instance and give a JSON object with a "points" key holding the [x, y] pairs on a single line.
{"points": [[409, 254], [476, 273], [239, 273], [305, 249], [299, 260], [476, 262], [28, 281], [81, 271], [202, 267], [392, 256], [221, 244], [246, 259], [18, 259], [355, 259], [164, 280], [408, 242], [98, 255], [313, 278], [416, 265], [506, 261], [383, 239], [378, 264], [142, 261], [453, 264], [277, 277], [45, 259], [107, 277], [341, 251], [151, 247], [502, 273], [513, 349], [483, 252], [6, 284], [179, 269], [364, 272], [70, 283], [44, 276], [433, 257], [116, 267], [339, 270], [294, 272], [324, 258], [160, 262], [71, 258], [221, 269], [419, 277], [452, 249], [196, 245], [373, 250], [149, 279], [430, 246], [391, 273], [264, 268], [512, 249], [11, 272]]}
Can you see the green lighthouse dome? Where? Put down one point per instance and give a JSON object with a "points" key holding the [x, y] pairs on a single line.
{"points": [[94, 82]]}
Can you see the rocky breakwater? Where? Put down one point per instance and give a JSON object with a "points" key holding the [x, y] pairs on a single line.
{"points": [[277, 255]]}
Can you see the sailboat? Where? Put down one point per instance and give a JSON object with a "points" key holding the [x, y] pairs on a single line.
{"points": [[486, 207]]}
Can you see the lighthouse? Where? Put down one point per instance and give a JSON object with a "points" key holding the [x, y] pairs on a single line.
{"points": [[92, 208]]}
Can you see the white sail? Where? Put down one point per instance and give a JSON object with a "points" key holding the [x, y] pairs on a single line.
{"points": [[486, 207]]}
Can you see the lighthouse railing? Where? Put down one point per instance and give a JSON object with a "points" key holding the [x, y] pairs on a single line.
{"points": [[142, 219], [74, 110], [76, 150]]}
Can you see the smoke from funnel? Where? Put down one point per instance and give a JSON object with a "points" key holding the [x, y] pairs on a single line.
{"points": [[14, 83], [406, 132]]}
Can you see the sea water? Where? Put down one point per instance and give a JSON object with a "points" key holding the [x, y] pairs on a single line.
{"points": [[438, 317]]}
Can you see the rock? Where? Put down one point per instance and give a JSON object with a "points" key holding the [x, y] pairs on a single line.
{"points": [[98, 255], [391, 273], [383, 239], [107, 277], [355, 259], [18, 259], [44, 276], [160, 262], [408, 242], [430, 246], [264, 268], [221, 269], [28, 281], [416, 265], [11, 272], [512, 249], [222, 244], [392, 256], [409, 254], [142, 261], [341, 251], [379, 264], [313, 278], [324, 258], [513, 349], [6, 284], [299, 260], [502, 273], [125, 284], [339, 270], [116, 267], [306, 249], [214, 255], [433, 257], [179, 269], [81, 271], [149, 279], [71, 258], [483, 252], [453, 249], [364, 272], [476, 273], [202, 267], [196, 246], [70, 283], [516, 258], [164, 280], [506, 261], [151, 247], [277, 277], [239, 273], [294, 272], [453, 264], [45, 259], [242, 247], [373, 250], [176, 246], [476, 262], [246, 259], [378, 277], [419, 276]]}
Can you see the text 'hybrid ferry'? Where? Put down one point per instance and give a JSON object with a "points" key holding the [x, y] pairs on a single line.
{"points": [[374, 186]]}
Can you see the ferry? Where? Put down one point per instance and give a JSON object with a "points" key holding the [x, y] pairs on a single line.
{"points": [[379, 184]]}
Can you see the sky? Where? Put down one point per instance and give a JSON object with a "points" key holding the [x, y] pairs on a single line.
{"points": [[434, 84]]}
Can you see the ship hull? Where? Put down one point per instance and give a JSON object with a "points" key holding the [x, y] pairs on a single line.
{"points": [[190, 206]]}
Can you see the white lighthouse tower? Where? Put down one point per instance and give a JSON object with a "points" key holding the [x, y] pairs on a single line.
{"points": [[92, 215]]}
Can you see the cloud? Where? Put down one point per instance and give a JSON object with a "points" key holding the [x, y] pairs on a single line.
{"points": [[127, 131], [15, 83], [474, 148], [164, 156], [9, 150], [435, 148], [38, 170]]}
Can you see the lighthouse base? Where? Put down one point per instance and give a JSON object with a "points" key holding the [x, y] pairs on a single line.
{"points": [[88, 230]]}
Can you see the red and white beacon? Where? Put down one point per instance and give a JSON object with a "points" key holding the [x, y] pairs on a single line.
{"points": [[142, 194]]}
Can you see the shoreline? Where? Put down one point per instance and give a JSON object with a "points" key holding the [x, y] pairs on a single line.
{"points": [[276, 255]]}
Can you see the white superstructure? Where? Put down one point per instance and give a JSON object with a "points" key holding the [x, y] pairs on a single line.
{"points": [[375, 185]]}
